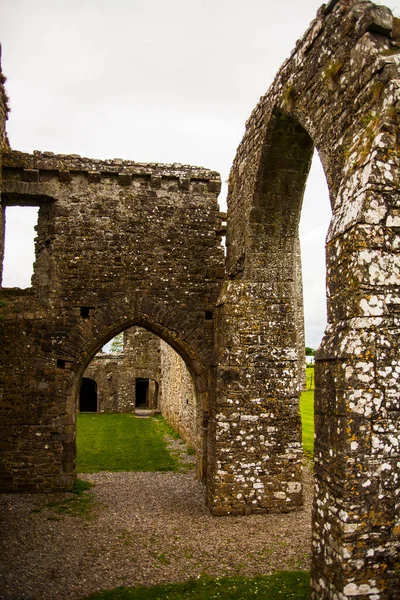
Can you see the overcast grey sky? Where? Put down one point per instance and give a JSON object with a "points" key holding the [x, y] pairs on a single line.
{"points": [[161, 81]]}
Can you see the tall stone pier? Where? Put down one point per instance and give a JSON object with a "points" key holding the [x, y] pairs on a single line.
{"points": [[339, 93]]}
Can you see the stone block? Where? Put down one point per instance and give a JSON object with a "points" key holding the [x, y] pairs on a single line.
{"points": [[31, 175], [124, 179], [155, 181], [94, 177], [64, 176]]}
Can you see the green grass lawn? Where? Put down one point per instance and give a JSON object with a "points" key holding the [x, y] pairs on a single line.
{"points": [[123, 442], [307, 414], [284, 585]]}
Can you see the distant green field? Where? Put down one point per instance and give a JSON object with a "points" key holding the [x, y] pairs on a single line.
{"points": [[307, 414], [123, 442]]}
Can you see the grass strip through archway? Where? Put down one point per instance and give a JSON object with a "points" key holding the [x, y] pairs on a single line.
{"points": [[123, 442], [283, 585]]}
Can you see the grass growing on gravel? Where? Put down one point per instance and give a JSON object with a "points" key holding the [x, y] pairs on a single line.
{"points": [[77, 505], [123, 442], [307, 414], [285, 585]]}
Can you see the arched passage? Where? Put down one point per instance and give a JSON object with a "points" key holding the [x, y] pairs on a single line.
{"points": [[88, 395], [340, 90], [314, 224], [197, 433]]}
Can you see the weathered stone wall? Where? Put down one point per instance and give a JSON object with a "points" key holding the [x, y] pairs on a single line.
{"points": [[178, 402], [115, 374], [119, 244], [340, 91], [142, 351], [115, 384]]}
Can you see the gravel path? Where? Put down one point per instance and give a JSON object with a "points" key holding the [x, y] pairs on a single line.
{"points": [[146, 528]]}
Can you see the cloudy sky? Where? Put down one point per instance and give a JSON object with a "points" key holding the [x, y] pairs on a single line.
{"points": [[160, 81]]}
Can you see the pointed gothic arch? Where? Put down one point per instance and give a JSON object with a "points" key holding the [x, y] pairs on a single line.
{"points": [[339, 90]]}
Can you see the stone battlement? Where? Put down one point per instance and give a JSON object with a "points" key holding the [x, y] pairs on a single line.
{"points": [[32, 165]]}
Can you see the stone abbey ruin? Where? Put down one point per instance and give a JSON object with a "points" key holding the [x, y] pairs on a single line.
{"points": [[122, 244]]}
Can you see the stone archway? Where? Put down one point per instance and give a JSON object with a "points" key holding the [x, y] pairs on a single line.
{"points": [[200, 374], [339, 91], [133, 387], [119, 243]]}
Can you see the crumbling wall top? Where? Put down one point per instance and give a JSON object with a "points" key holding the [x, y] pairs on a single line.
{"points": [[75, 163]]}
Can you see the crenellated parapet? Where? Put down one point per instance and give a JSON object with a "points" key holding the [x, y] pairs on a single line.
{"points": [[43, 166]]}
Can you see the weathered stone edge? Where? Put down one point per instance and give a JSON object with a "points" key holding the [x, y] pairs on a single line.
{"points": [[73, 162]]}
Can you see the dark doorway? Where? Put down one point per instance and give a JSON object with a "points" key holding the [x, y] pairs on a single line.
{"points": [[142, 392], [88, 395]]}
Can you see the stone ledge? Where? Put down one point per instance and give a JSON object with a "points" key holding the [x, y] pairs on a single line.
{"points": [[47, 161]]}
